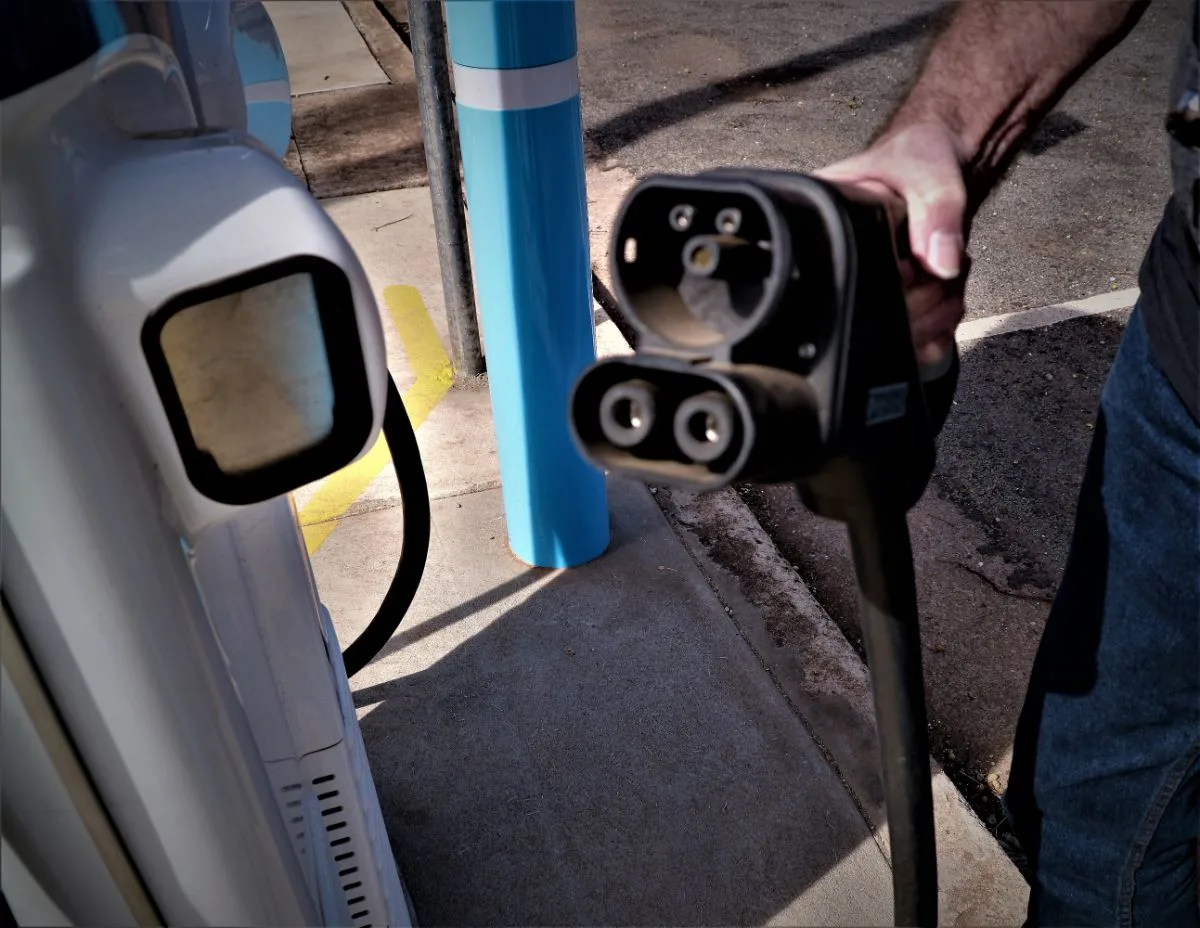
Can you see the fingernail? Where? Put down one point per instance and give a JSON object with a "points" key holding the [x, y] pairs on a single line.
{"points": [[945, 254]]}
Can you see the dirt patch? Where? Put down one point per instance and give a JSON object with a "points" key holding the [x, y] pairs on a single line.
{"points": [[359, 140]]}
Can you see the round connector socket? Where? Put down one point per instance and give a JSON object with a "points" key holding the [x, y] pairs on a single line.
{"points": [[701, 262], [627, 412], [706, 426]]}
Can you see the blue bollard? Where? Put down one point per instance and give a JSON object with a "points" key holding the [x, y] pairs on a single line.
{"points": [[520, 126], [264, 76]]}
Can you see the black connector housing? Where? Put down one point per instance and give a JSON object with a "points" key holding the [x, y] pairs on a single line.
{"points": [[773, 344]]}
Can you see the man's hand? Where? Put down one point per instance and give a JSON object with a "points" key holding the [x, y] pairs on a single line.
{"points": [[920, 166], [990, 77]]}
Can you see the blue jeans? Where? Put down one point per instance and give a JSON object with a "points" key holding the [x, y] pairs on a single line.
{"points": [[1105, 785]]}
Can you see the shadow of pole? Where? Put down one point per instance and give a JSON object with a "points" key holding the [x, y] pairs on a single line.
{"points": [[616, 133], [411, 635]]}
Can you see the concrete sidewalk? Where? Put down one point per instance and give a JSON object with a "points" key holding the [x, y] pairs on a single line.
{"points": [[620, 743], [592, 746]]}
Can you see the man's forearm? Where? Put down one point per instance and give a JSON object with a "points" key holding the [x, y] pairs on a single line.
{"points": [[1001, 65]]}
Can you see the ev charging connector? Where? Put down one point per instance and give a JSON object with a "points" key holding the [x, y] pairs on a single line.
{"points": [[774, 346]]}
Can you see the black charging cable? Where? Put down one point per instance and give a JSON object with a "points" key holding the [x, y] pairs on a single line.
{"points": [[414, 504], [883, 569], [887, 590]]}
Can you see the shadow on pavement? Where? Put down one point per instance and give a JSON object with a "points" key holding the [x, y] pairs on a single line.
{"points": [[617, 132], [599, 746], [410, 636], [1056, 128]]}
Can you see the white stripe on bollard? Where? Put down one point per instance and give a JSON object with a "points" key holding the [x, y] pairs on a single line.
{"points": [[516, 88]]}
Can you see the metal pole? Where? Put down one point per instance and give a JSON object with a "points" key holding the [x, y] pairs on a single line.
{"points": [[427, 31], [521, 131]]}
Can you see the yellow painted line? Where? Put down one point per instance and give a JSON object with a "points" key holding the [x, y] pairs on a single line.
{"points": [[338, 491]]}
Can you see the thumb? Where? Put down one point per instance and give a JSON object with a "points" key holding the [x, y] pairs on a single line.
{"points": [[931, 186], [936, 209]]}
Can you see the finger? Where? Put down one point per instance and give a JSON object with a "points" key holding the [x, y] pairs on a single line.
{"points": [[923, 301], [921, 165], [940, 319], [935, 352], [856, 168], [935, 306], [932, 196], [846, 174]]}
